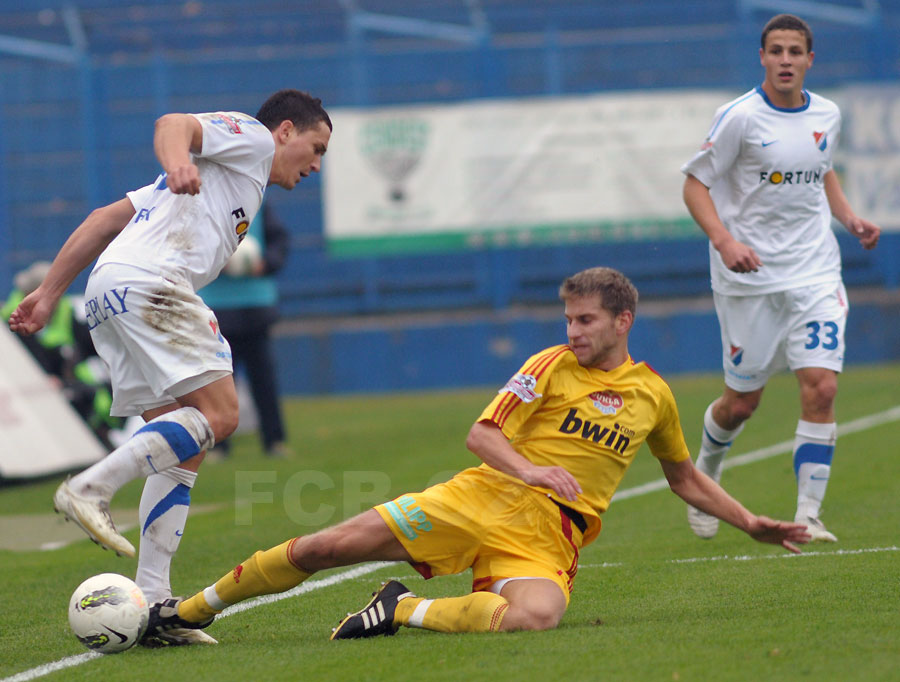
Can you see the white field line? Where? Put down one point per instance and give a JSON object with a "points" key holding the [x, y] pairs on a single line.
{"points": [[748, 557], [860, 424]]}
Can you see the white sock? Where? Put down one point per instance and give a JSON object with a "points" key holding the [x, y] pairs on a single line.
{"points": [[714, 443], [160, 444], [813, 450], [162, 515]]}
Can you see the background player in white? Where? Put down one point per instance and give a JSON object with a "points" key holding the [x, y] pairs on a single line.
{"points": [[763, 189], [167, 359]]}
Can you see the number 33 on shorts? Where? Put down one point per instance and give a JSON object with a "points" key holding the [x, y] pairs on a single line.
{"points": [[825, 333]]}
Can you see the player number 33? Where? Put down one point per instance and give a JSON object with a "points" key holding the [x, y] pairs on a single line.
{"points": [[829, 335]]}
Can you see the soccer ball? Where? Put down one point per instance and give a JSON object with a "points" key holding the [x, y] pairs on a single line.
{"points": [[246, 258], [108, 613]]}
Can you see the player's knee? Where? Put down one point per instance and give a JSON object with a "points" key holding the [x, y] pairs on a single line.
{"points": [[821, 394], [223, 422], [532, 617], [319, 551]]}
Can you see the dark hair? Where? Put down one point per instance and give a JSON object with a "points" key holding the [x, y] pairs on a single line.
{"points": [[787, 22], [615, 290], [300, 108]]}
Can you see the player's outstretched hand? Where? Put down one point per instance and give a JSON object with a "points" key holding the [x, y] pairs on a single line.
{"points": [[788, 535], [32, 314], [556, 479], [866, 232], [184, 179]]}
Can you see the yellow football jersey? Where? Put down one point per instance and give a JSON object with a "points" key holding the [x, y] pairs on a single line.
{"points": [[589, 421]]}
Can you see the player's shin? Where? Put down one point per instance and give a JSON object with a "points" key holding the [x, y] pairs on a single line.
{"points": [[714, 444], [162, 515], [813, 450], [265, 572], [475, 612], [162, 443]]}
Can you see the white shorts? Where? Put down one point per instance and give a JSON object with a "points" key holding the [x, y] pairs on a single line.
{"points": [[158, 337], [793, 329]]}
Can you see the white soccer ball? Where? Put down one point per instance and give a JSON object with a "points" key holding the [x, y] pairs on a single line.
{"points": [[246, 259], [108, 613]]}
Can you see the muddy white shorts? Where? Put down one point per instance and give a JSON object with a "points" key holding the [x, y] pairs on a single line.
{"points": [[794, 329], [158, 337]]}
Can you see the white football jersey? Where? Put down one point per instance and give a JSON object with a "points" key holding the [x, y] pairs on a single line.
{"points": [[191, 237], [765, 167]]}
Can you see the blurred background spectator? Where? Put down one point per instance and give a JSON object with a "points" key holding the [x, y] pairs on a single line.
{"points": [[245, 300]]}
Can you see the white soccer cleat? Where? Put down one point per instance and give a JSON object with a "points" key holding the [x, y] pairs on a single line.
{"points": [[816, 529], [176, 637], [92, 516], [704, 525]]}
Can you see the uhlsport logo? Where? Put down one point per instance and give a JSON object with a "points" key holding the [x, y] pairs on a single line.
{"points": [[821, 140], [736, 354], [408, 516], [608, 402]]}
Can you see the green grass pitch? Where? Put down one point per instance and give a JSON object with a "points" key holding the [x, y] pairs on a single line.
{"points": [[651, 601]]}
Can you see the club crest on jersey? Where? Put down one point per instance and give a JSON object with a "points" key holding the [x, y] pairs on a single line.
{"points": [[821, 140], [214, 325], [608, 402], [707, 144], [736, 354], [522, 386]]}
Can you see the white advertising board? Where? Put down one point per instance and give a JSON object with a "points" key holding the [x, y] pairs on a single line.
{"points": [[40, 433]]}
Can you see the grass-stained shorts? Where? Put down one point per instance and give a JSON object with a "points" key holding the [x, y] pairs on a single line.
{"points": [[158, 337], [485, 520]]}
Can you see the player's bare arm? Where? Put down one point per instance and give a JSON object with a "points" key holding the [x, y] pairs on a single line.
{"points": [[175, 137], [80, 250], [737, 257], [867, 232], [487, 441], [699, 490]]}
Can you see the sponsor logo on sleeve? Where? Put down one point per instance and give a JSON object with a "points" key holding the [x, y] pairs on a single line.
{"points": [[522, 386]]}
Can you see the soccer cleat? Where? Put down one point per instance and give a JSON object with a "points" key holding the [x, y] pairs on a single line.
{"points": [[164, 618], [816, 529], [92, 516], [176, 637], [704, 525], [376, 617]]}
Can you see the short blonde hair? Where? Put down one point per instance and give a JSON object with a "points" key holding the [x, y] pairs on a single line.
{"points": [[615, 290]]}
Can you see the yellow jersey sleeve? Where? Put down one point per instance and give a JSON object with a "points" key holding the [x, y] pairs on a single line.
{"points": [[666, 440]]}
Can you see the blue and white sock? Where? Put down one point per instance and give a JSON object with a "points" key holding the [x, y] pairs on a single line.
{"points": [[813, 450], [160, 444], [163, 512], [715, 442]]}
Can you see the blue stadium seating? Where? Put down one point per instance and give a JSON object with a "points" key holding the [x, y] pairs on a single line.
{"points": [[74, 134]]}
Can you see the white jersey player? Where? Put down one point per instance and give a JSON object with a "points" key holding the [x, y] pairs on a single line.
{"points": [[168, 361], [763, 189]]}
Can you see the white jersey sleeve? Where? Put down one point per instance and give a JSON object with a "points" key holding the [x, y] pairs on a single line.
{"points": [[231, 139]]}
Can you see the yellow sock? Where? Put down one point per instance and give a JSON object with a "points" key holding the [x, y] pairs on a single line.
{"points": [[263, 573], [475, 612]]}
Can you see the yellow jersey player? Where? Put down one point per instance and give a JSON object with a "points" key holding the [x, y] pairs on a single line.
{"points": [[555, 443]]}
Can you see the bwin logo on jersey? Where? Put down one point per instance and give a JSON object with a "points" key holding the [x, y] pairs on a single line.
{"points": [[821, 140]]}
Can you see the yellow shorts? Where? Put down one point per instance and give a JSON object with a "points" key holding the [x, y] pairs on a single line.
{"points": [[485, 520]]}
